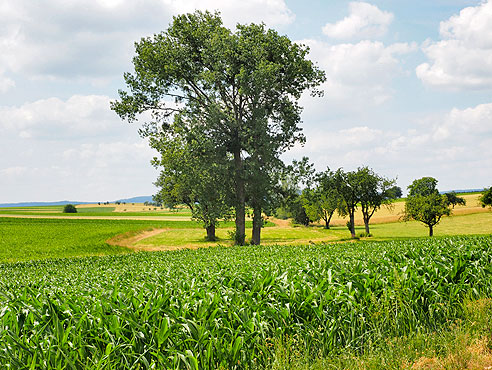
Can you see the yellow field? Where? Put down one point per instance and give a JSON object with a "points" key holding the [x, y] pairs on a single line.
{"points": [[395, 212]]}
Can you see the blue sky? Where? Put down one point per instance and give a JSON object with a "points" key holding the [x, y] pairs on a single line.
{"points": [[408, 90]]}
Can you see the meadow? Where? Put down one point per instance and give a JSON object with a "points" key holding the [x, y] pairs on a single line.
{"points": [[24, 239]]}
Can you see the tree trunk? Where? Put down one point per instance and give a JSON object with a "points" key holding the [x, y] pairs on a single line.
{"points": [[211, 233], [431, 230], [366, 224], [328, 219], [240, 199], [352, 224], [257, 223]]}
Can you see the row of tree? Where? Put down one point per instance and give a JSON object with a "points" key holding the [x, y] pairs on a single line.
{"points": [[329, 191]]}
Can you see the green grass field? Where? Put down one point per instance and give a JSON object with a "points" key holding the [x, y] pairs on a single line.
{"points": [[23, 239]]}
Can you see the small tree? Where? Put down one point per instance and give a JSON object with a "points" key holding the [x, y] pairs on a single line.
{"points": [[290, 200], [395, 192], [454, 200], [375, 191], [323, 199], [425, 204], [69, 208], [347, 185], [486, 197]]}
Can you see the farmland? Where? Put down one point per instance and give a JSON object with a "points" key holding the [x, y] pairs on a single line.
{"points": [[233, 307], [75, 288]]}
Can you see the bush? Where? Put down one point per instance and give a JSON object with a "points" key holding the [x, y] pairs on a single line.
{"points": [[69, 208]]}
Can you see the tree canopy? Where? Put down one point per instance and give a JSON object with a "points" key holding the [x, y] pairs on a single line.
{"points": [[375, 191], [486, 197], [425, 204], [454, 199], [240, 88], [322, 199]]}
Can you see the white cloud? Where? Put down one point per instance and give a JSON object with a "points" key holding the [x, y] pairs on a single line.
{"points": [[76, 149], [93, 40], [271, 12], [463, 58], [364, 21], [5, 83], [455, 148], [13, 171], [77, 117], [357, 74]]}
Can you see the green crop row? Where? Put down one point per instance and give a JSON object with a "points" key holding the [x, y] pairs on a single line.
{"points": [[228, 307]]}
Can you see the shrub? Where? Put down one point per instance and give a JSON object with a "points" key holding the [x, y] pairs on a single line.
{"points": [[69, 208]]}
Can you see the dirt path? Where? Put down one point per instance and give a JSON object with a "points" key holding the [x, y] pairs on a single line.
{"points": [[129, 239], [279, 222]]}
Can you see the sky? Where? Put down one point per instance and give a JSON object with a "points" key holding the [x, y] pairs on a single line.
{"points": [[408, 90]]}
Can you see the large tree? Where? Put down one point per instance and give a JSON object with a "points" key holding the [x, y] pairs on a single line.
{"points": [[425, 204], [374, 192], [242, 87]]}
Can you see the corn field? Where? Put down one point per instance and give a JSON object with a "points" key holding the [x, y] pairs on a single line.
{"points": [[229, 307]]}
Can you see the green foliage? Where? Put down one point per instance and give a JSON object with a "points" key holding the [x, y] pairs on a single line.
{"points": [[454, 199], [192, 174], [423, 187], [375, 191], [298, 213], [425, 204], [227, 307], [394, 192], [290, 199], [486, 197], [69, 208], [238, 91], [323, 199]]}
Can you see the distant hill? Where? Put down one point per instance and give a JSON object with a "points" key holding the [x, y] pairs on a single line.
{"points": [[141, 199], [463, 191]]}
